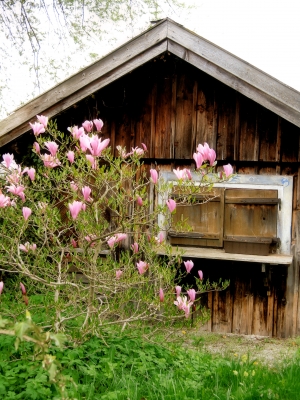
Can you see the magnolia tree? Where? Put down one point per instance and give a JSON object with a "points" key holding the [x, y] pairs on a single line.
{"points": [[81, 225]]}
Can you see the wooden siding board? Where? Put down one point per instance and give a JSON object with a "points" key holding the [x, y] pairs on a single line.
{"points": [[267, 124], [184, 116], [289, 142], [163, 128], [206, 113], [226, 100], [248, 130]]}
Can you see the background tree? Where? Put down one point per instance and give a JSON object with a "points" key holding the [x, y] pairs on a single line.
{"points": [[53, 39]]}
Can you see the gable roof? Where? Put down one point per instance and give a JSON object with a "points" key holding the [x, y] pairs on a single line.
{"points": [[166, 35]]}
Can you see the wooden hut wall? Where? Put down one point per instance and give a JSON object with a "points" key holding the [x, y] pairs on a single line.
{"points": [[172, 106]]}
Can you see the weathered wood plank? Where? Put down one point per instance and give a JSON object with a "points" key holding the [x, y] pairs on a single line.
{"points": [[289, 142], [267, 124], [184, 116], [163, 130], [219, 254], [226, 100], [206, 113], [249, 139]]}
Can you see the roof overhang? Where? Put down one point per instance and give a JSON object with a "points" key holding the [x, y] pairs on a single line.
{"points": [[164, 36]]}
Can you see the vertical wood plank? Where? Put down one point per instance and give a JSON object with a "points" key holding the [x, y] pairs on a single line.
{"points": [[226, 126], [206, 112], [267, 125], [173, 116], [289, 141], [162, 138], [184, 105], [249, 139]]}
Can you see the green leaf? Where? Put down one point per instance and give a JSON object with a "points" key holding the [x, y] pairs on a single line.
{"points": [[58, 338]]}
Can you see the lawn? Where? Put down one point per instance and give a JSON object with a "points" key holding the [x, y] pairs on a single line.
{"points": [[135, 365]]}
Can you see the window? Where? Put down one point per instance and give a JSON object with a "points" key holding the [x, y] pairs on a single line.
{"points": [[251, 214]]}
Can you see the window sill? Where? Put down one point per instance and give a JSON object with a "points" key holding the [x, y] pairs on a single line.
{"points": [[219, 254]]}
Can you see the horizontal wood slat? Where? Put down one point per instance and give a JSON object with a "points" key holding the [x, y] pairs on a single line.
{"points": [[193, 235], [252, 201]]}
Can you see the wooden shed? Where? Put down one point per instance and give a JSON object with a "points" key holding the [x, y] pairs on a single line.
{"points": [[172, 89]]}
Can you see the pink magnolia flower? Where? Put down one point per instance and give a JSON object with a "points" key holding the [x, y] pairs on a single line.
{"points": [[122, 151], [200, 273], [8, 159], [23, 290], [192, 294], [42, 120], [86, 191], [91, 160], [84, 141], [97, 146], [90, 238], [183, 174], [74, 243], [26, 212], [154, 175], [188, 174], [37, 128], [171, 205], [203, 150], [98, 124], [160, 238], [36, 147], [32, 247], [228, 170], [135, 247], [118, 274], [188, 265], [142, 267], [183, 304], [161, 295], [52, 147], [27, 246], [207, 153], [75, 208], [24, 247], [1, 287], [71, 156], [198, 159], [116, 239], [83, 207], [17, 191], [211, 157], [50, 161], [30, 172], [4, 201], [178, 290], [75, 132], [74, 187], [139, 201], [15, 177], [88, 125], [144, 146], [138, 151]]}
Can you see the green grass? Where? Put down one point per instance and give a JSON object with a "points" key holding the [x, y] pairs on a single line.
{"points": [[123, 367]]}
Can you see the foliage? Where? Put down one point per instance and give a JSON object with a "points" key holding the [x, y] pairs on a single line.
{"points": [[85, 230], [122, 367]]}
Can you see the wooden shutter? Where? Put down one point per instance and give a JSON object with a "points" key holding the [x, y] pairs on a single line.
{"points": [[250, 220], [205, 219]]}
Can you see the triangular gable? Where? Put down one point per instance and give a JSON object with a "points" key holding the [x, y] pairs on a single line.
{"points": [[164, 36]]}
